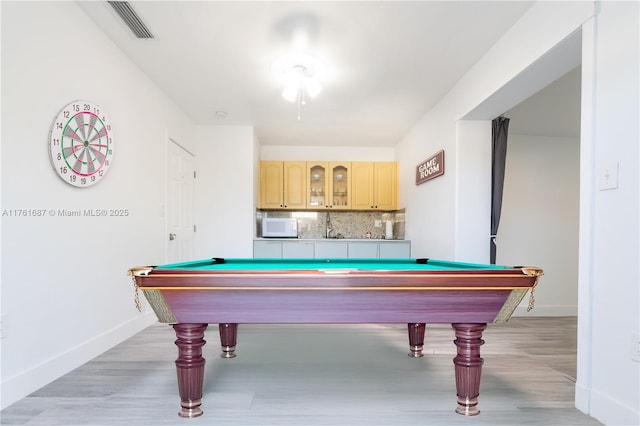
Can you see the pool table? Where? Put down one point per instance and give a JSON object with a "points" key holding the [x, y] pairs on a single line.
{"points": [[229, 292]]}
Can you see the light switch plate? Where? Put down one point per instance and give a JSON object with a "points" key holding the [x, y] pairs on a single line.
{"points": [[608, 176]]}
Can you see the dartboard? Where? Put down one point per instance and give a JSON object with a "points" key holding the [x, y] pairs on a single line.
{"points": [[81, 144]]}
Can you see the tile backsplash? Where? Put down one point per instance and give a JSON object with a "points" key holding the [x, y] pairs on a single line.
{"points": [[344, 224]]}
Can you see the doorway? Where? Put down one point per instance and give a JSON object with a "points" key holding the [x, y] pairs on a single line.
{"points": [[540, 204]]}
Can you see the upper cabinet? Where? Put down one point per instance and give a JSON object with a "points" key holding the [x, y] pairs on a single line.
{"points": [[295, 185], [340, 185], [325, 185], [385, 186], [328, 185], [317, 185], [283, 185], [374, 186]]}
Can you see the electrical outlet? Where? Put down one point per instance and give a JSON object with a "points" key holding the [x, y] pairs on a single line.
{"points": [[635, 346], [377, 223]]}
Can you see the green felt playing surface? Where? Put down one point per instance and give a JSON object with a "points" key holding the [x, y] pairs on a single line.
{"points": [[307, 264]]}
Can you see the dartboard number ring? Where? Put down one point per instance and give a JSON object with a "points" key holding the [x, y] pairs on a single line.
{"points": [[81, 144]]}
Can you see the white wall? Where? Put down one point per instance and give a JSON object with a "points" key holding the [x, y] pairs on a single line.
{"points": [[225, 200], [326, 153], [66, 296], [473, 207], [539, 222], [429, 206], [608, 380], [430, 224], [610, 390]]}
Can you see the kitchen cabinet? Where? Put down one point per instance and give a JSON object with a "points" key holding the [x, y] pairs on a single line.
{"points": [[267, 249], [328, 185], [397, 249], [283, 185], [331, 249], [298, 185], [297, 249], [363, 249], [374, 186], [301, 248]]}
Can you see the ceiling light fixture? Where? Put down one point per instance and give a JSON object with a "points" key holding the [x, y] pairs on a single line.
{"points": [[301, 75]]}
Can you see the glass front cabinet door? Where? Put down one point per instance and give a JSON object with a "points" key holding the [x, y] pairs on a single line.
{"points": [[329, 185], [317, 185], [340, 185]]}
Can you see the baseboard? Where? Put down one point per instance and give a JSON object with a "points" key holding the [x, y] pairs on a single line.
{"points": [[612, 412], [547, 311], [21, 385], [583, 398]]}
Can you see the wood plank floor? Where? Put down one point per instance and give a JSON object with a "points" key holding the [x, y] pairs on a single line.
{"points": [[316, 375]]}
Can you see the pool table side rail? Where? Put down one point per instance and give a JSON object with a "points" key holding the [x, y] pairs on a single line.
{"points": [[333, 307]]}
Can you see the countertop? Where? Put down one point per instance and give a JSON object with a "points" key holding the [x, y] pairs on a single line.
{"points": [[330, 239]]}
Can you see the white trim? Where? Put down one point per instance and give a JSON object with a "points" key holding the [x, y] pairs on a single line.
{"points": [[586, 213], [617, 412]]}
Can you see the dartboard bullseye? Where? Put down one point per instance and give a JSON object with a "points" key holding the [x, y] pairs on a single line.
{"points": [[81, 144]]}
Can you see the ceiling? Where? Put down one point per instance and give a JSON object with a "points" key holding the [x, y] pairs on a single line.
{"points": [[387, 62], [554, 111]]}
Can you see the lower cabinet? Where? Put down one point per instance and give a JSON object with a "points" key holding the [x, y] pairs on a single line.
{"points": [[331, 249], [297, 249], [267, 249], [364, 249], [395, 250]]}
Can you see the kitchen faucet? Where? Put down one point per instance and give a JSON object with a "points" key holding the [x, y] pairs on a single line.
{"points": [[328, 228]]}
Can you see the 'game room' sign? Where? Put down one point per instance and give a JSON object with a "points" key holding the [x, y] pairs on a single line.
{"points": [[430, 168]]}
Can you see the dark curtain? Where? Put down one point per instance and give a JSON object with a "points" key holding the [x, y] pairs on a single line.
{"points": [[499, 133]]}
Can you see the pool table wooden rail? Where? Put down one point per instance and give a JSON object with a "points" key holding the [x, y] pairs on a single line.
{"points": [[168, 279]]}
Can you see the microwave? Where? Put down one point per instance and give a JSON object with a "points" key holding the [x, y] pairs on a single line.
{"points": [[279, 227]]}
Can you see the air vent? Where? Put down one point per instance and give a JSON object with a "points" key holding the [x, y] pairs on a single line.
{"points": [[131, 19]]}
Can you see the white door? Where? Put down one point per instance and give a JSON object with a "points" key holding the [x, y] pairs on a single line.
{"points": [[180, 204]]}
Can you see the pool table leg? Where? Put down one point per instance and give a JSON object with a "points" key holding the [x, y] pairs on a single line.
{"points": [[190, 367], [416, 339], [228, 338], [468, 366]]}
